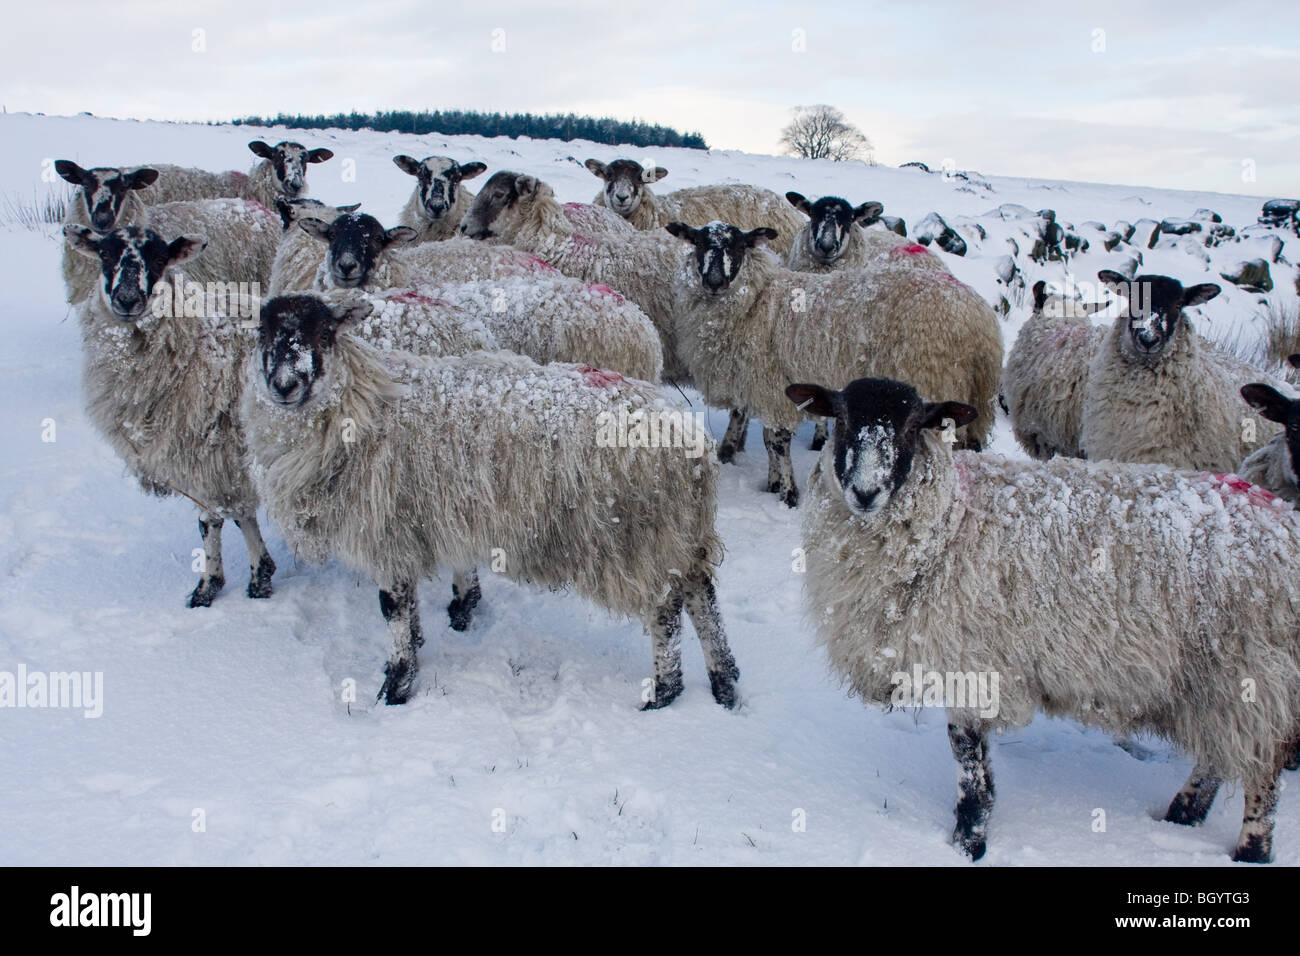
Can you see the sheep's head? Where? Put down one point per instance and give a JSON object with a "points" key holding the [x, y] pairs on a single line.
{"points": [[1276, 407], [625, 182], [438, 178], [289, 163], [831, 218], [720, 250], [296, 339], [356, 243], [132, 261], [292, 210], [1055, 305], [1155, 309], [501, 204], [104, 189], [878, 423]]}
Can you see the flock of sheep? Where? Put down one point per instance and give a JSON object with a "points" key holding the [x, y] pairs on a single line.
{"points": [[429, 395]]}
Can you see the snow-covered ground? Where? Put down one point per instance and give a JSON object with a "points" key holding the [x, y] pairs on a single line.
{"points": [[524, 743]]}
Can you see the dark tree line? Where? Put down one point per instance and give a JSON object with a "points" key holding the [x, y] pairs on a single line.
{"points": [[466, 122]]}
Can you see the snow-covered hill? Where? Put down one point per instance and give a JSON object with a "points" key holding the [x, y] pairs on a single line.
{"points": [[524, 744]]}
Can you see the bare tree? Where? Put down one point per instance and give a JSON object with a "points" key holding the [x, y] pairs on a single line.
{"points": [[823, 132]]}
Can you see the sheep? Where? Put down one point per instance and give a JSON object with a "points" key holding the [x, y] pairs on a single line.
{"points": [[1046, 374], [747, 327], [438, 202], [522, 211], [163, 387], [627, 192], [299, 255], [282, 173], [1158, 393], [1134, 598], [106, 199], [1274, 465], [363, 254], [421, 483]]}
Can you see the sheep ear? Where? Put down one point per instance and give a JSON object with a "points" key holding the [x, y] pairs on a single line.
{"points": [[596, 166], [140, 178], [1200, 293], [653, 175], [260, 148], [285, 210], [183, 248], [1040, 295], [316, 228], [82, 239], [319, 155], [1112, 278], [754, 236], [352, 208], [1293, 360], [799, 202], [526, 185], [868, 213], [934, 413], [351, 310], [1266, 400], [470, 170], [72, 172], [815, 399], [682, 231], [407, 164], [399, 234]]}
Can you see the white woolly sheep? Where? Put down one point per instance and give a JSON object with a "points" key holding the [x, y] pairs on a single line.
{"points": [[956, 570], [299, 255], [1047, 373], [163, 388], [282, 173], [747, 327], [420, 483], [1158, 393], [627, 192], [439, 201]]}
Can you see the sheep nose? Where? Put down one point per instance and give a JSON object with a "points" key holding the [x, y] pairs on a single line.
{"points": [[348, 266], [284, 389], [865, 499]]}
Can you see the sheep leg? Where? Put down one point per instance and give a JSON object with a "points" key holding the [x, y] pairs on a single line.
{"points": [[665, 628], [820, 435], [1255, 844], [1293, 760], [975, 788], [401, 609], [1193, 801], [465, 595], [701, 602], [259, 559], [780, 469], [733, 440], [213, 577]]}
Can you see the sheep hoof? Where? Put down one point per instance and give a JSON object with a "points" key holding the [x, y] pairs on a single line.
{"points": [[723, 685], [1254, 850], [1293, 762], [818, 442], [259, 585], [972, 846], [790, 497], [205, 591], [461, 609], [665, 693], [726, 453], [399, 678]]}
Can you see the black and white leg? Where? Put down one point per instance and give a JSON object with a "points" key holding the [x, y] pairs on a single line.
{"points": [[780, 469], [733, 440], [465, 595], [665, 629], [1255, 844], [213, 577], [401, 609], [259, 559], [974, 789], [1191, 804], [819, 435], [701, 600]]}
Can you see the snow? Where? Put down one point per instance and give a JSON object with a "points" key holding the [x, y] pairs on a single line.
{"points": [[524, 743]]}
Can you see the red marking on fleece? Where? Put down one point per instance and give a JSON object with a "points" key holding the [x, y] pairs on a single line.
{"points": [[602, 289], [536, 264], [257, 205], [1241, 486], [410, 295], [239, 177], [909, 249], [582, 241], [598, 378]]}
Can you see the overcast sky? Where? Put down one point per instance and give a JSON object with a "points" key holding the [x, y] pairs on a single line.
{"points": [[1189, 94]]}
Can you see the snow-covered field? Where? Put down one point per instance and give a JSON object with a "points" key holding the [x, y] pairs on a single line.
{"points": [[524, 743]]}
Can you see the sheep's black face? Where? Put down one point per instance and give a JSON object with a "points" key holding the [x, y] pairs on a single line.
{"points": [[719, 251], [132, 262], [296, 333], [1155, 308], [1276, 407], [878, 422], [499, 194], [289, 163], [104, 190], [438, 178], [625, 182], [292, 210], [831, 219], [356, 242]]}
